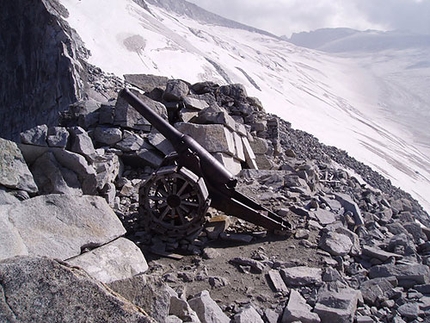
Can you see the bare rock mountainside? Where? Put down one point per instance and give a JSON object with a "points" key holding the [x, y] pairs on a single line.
{"points": [[80, 243]]}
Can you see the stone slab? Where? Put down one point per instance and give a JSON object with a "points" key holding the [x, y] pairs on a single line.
{"points": [[60, 226], [117, 260]]}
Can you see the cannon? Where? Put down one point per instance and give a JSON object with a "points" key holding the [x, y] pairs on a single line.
{"points": [[176, 197]]}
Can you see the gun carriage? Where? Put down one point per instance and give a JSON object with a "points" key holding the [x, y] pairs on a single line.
{"points": [[175, 199]]}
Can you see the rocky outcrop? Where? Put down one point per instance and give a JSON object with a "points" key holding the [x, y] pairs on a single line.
{"points": [[44, 290], [60, 226], [40, 57], [14, 172]]}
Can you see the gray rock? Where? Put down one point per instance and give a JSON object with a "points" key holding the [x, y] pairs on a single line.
{"points": [[230, 163], [160, 142], [215, 115], [302, 276], [81, 143], [86, 112], [325, 216], [211, 253], [335, 243], [409, 310], [55, 292], [146, 82], [60, 226], [11, 243], [117, 260], [148, 292], [240, 153], [349, 205], [130, 142], [207, 309], [180, 307], [416, 231], [172, 319], [259, 146], [126, 116], [107, 135], [396, 228], [271, 316], [107, 166], [218, 281], [7, 198], [250, 158], [331, 275], [149, 157], [277, 281], [377, 288], [107, 114], [188, 114], [78, 164], [298, 310], [356, 247], [14, 172], [337, 306], [374, 252], [332, 203], [402, 244], [248, 315], [195, 103], [35, 136], [58, 137], [52, 178], [176, 90], [255, 265], [214, 138], [407, 275]]}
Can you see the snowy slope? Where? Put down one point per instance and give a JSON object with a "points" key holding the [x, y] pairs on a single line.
{"points": [[334, 98]]}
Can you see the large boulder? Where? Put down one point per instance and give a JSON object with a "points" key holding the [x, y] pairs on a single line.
{"points": [[14, 172], [118, 260], [59, 226], [36, 290]]}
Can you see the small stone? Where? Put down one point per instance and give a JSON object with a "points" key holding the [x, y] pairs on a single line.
{"points": [[58, 137], [107, 135], [277, 281], [301, 234], [335, 243], [211, 253], [302, 276], [408, 310]]}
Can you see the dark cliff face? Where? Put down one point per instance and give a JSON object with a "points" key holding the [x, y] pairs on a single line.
{"points": [[39, 74]]}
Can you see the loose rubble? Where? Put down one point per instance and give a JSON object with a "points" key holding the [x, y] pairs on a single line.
{"points": [[359, 250]]}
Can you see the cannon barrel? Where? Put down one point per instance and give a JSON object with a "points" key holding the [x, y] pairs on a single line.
{"points": [[191, 154]]}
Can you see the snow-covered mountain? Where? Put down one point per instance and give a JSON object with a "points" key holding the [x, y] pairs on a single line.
{"points": [[372, 103]]}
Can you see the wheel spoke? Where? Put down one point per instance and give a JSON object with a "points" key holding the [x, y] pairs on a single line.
{"points": [[181, 216], [163, 215], [189, 203], [184, 186]]}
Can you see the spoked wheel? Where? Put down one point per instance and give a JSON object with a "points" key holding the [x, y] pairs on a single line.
{"points": [[174, 202]]}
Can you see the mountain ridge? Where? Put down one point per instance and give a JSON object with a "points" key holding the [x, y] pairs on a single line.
{"points": [[340, 40]]}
